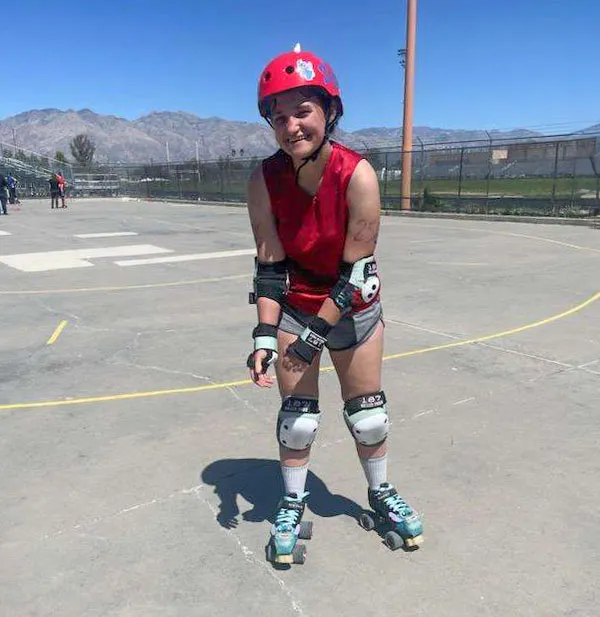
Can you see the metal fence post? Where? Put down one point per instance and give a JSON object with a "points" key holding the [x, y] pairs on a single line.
{"points": [[421, 172], [489, 174], [385, 175], [573, 176], [554, 174], [460, 173]]}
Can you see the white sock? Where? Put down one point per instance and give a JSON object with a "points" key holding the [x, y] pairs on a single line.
{"points": [[294, 478], [375, 470]]}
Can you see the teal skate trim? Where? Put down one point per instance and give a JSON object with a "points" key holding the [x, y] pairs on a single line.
{"points": [[287, 519], [284, 543], [396, 505], [408, 522]]}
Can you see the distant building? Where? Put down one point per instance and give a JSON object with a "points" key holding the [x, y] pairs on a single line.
{"points": [[546, 150]]}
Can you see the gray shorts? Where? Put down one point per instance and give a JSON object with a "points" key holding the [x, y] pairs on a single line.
{"points": [[350, 331]]}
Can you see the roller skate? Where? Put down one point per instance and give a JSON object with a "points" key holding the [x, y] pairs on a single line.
{"points": [[394, 519], [283, 547]]}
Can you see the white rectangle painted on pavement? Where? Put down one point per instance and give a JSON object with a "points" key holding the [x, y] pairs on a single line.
{"points": [[62, 260], [4, 233], [190, 257], [113, 234]]}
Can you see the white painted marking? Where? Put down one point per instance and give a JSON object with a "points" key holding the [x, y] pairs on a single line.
{"points": [[61, 260], [113, 234], [464, 400], [424, 413], [5, 233], [191, 257], [456, 263]]}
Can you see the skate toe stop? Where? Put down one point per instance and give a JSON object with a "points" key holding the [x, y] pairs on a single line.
{"points": [[284, 558], [414, 542]]}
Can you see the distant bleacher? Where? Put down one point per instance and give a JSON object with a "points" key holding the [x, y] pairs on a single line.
{"points": [[32, 170], [96, 184]]}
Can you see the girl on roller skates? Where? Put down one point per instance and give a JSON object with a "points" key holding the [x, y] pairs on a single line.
{"points": [[314, 208]]}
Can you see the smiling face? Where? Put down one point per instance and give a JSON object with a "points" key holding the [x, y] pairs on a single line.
{"points": [[298, 119]]}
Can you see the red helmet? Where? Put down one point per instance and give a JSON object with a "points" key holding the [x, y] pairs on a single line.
{"points": [[296, 69]]}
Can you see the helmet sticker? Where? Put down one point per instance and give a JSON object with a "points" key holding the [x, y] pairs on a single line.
{"points": [[328, 75], [305, 69]]}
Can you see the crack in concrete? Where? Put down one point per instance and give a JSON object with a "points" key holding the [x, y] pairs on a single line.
{"points": [[565, 366]]}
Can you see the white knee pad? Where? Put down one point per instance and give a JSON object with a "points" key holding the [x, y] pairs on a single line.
{"points": [[367, 418], [298, 422]]}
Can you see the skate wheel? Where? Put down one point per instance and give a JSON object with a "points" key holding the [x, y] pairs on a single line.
{"points": [[299, 554], [306, 529], [270, 552], [393, 540], [366, 521]]}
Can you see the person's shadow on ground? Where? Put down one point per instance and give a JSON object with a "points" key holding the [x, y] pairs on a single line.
{"points": [[259, 482]]}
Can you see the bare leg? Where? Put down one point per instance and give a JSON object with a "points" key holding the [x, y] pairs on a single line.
{"points": [[359, 372], [297, 382]]}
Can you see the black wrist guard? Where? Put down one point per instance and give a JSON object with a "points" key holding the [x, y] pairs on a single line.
{"points": [[312, 340]]}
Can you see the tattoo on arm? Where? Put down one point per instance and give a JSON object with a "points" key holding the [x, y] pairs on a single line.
{"points": [[365, 231]]}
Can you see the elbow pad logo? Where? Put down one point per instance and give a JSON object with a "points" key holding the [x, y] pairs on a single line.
{"points": [[370, 269]]}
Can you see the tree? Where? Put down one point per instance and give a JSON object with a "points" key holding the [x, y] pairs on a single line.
{"points": [[60, 156], [83, 149]]}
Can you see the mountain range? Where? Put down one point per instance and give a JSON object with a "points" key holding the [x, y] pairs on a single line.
{"points": [[181, 135]]}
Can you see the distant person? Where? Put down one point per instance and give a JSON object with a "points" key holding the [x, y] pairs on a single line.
{"points": [[61, 189], [54, 191], [3, 193], [12, 189]]}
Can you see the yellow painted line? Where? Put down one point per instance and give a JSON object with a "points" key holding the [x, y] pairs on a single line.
{"points": [[326, 369], [508, 233], [490, 337], [566, 244], [456, 263], [25, 292], [56, 333], [127, 396]]}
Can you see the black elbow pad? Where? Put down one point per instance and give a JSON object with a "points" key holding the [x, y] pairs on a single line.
{"points": [[270, 281]]}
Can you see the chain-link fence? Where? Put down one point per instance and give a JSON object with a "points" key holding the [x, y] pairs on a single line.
{"points": [[32, 170], [550, 176]]}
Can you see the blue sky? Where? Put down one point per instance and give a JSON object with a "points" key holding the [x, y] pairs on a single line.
{"points": [[480, 63]]}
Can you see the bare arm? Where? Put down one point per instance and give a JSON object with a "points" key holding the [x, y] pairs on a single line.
{"points": [[268, 245], [363, 225]]}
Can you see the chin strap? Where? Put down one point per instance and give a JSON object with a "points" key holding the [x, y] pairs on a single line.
{"points": [[313, 157]]}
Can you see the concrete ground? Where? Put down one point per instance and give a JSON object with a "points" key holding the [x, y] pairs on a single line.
{"points": [[138, 466]]}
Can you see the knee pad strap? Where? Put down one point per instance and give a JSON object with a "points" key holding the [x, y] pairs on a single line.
{"points": [[298, 422], [367, 419]]}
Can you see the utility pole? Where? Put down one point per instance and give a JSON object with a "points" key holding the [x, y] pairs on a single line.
{"points": [[408, 59]]}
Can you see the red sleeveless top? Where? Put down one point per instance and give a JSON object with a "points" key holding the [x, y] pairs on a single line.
{"points": [[312, 230]]}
